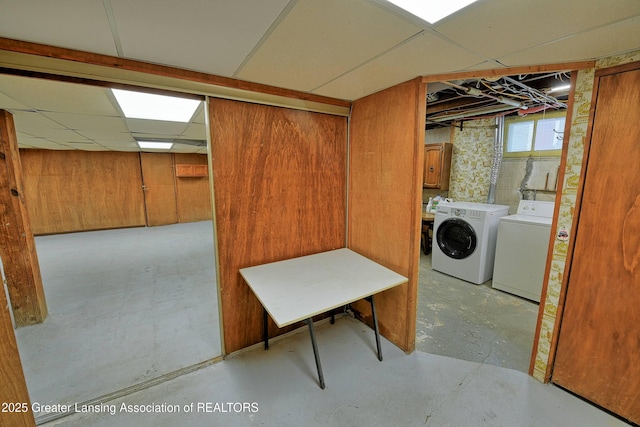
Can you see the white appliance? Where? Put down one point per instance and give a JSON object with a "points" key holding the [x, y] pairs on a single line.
{"points": [[521, 249], [464, 239]]}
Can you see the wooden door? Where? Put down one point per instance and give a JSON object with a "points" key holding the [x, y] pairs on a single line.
{"points": [[598, 353], [193, 193], [159, 188]]}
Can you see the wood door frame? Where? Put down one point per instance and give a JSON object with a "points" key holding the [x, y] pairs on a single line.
{"points": [[573, 67], [554, 226]]}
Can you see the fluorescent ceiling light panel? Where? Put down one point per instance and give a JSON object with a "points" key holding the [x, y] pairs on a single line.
{"points": [[155, 145], [560, 88], [432, 10], [139, 105]]}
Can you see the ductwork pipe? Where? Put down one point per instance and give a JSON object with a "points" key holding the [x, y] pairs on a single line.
{"points": [[497, 159]]}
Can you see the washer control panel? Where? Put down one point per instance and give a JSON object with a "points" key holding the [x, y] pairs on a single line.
{"points": [[536, 208]]}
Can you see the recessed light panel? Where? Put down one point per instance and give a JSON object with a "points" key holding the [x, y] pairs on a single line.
{"points": [[139, 105], [155, 145], [432, 10]]}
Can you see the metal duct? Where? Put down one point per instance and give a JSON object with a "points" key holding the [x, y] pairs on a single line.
{"points": [[497, 159]]}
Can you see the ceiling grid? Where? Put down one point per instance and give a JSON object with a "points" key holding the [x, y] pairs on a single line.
{"points": [[342, 49]]}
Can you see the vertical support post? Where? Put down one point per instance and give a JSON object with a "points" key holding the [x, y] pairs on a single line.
{"points": [[17, 244], [14, 385], [265, 328], [375, 326], [309, 322]]}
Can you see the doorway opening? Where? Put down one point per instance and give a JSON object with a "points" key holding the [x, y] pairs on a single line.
{"points": [[129, 271], [457, 318]]}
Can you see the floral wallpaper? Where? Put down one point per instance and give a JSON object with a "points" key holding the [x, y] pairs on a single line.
{"points": [[573, 168], [471, 161]]}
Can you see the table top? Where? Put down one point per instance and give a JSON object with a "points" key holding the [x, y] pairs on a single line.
{"points": [[428, 216], [296, 289]]}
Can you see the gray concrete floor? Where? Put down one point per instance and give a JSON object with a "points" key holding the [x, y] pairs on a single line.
{"points": [[473, 322], [106, 332], [279, 387], [125, 306]]}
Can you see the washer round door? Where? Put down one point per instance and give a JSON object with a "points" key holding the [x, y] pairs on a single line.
{"points": [[456, 238]]}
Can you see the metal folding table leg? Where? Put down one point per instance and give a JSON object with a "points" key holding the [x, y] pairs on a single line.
{"points": [[375, 325], [265, 328], [315, 352]]}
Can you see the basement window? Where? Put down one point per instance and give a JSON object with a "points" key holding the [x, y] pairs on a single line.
{"points": [[140, 105], [536, 134]]}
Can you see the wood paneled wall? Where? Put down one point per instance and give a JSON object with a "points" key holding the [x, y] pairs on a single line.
{"points": [[280, 192], [70, 191], [82, 190], [192, 194], [385, 192]]}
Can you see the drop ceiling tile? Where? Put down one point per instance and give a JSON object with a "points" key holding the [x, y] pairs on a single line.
{"points": [[496, 28], [28, 120], [81, 145], [486, 65], [168, 129], [58, 135], [127, 149], [28, 140], [610, 40], [198, 117], [75, 24], [83, 122], [25, 140], [423, 55], [117, 143], [60, 97], [8, 103], [320, 40], [181, 148], [195, 131], [116, 137], [213, 36]]}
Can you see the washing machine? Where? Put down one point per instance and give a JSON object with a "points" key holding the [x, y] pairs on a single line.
{"points": [[464, 239], [521, 249]]}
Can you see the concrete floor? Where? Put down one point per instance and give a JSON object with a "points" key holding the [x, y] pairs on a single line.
{"points": [[279, 387], [125, 306], [473, 322], [105, 335]]}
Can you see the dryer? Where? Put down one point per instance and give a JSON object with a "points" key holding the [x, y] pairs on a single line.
{"points": [[464, 239]]}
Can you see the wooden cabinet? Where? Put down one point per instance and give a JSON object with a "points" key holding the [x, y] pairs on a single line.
{"points": [[437, 165], [191, 171]]}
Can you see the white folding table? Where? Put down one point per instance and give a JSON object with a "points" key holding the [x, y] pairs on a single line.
{"points": [[297, 289]]}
